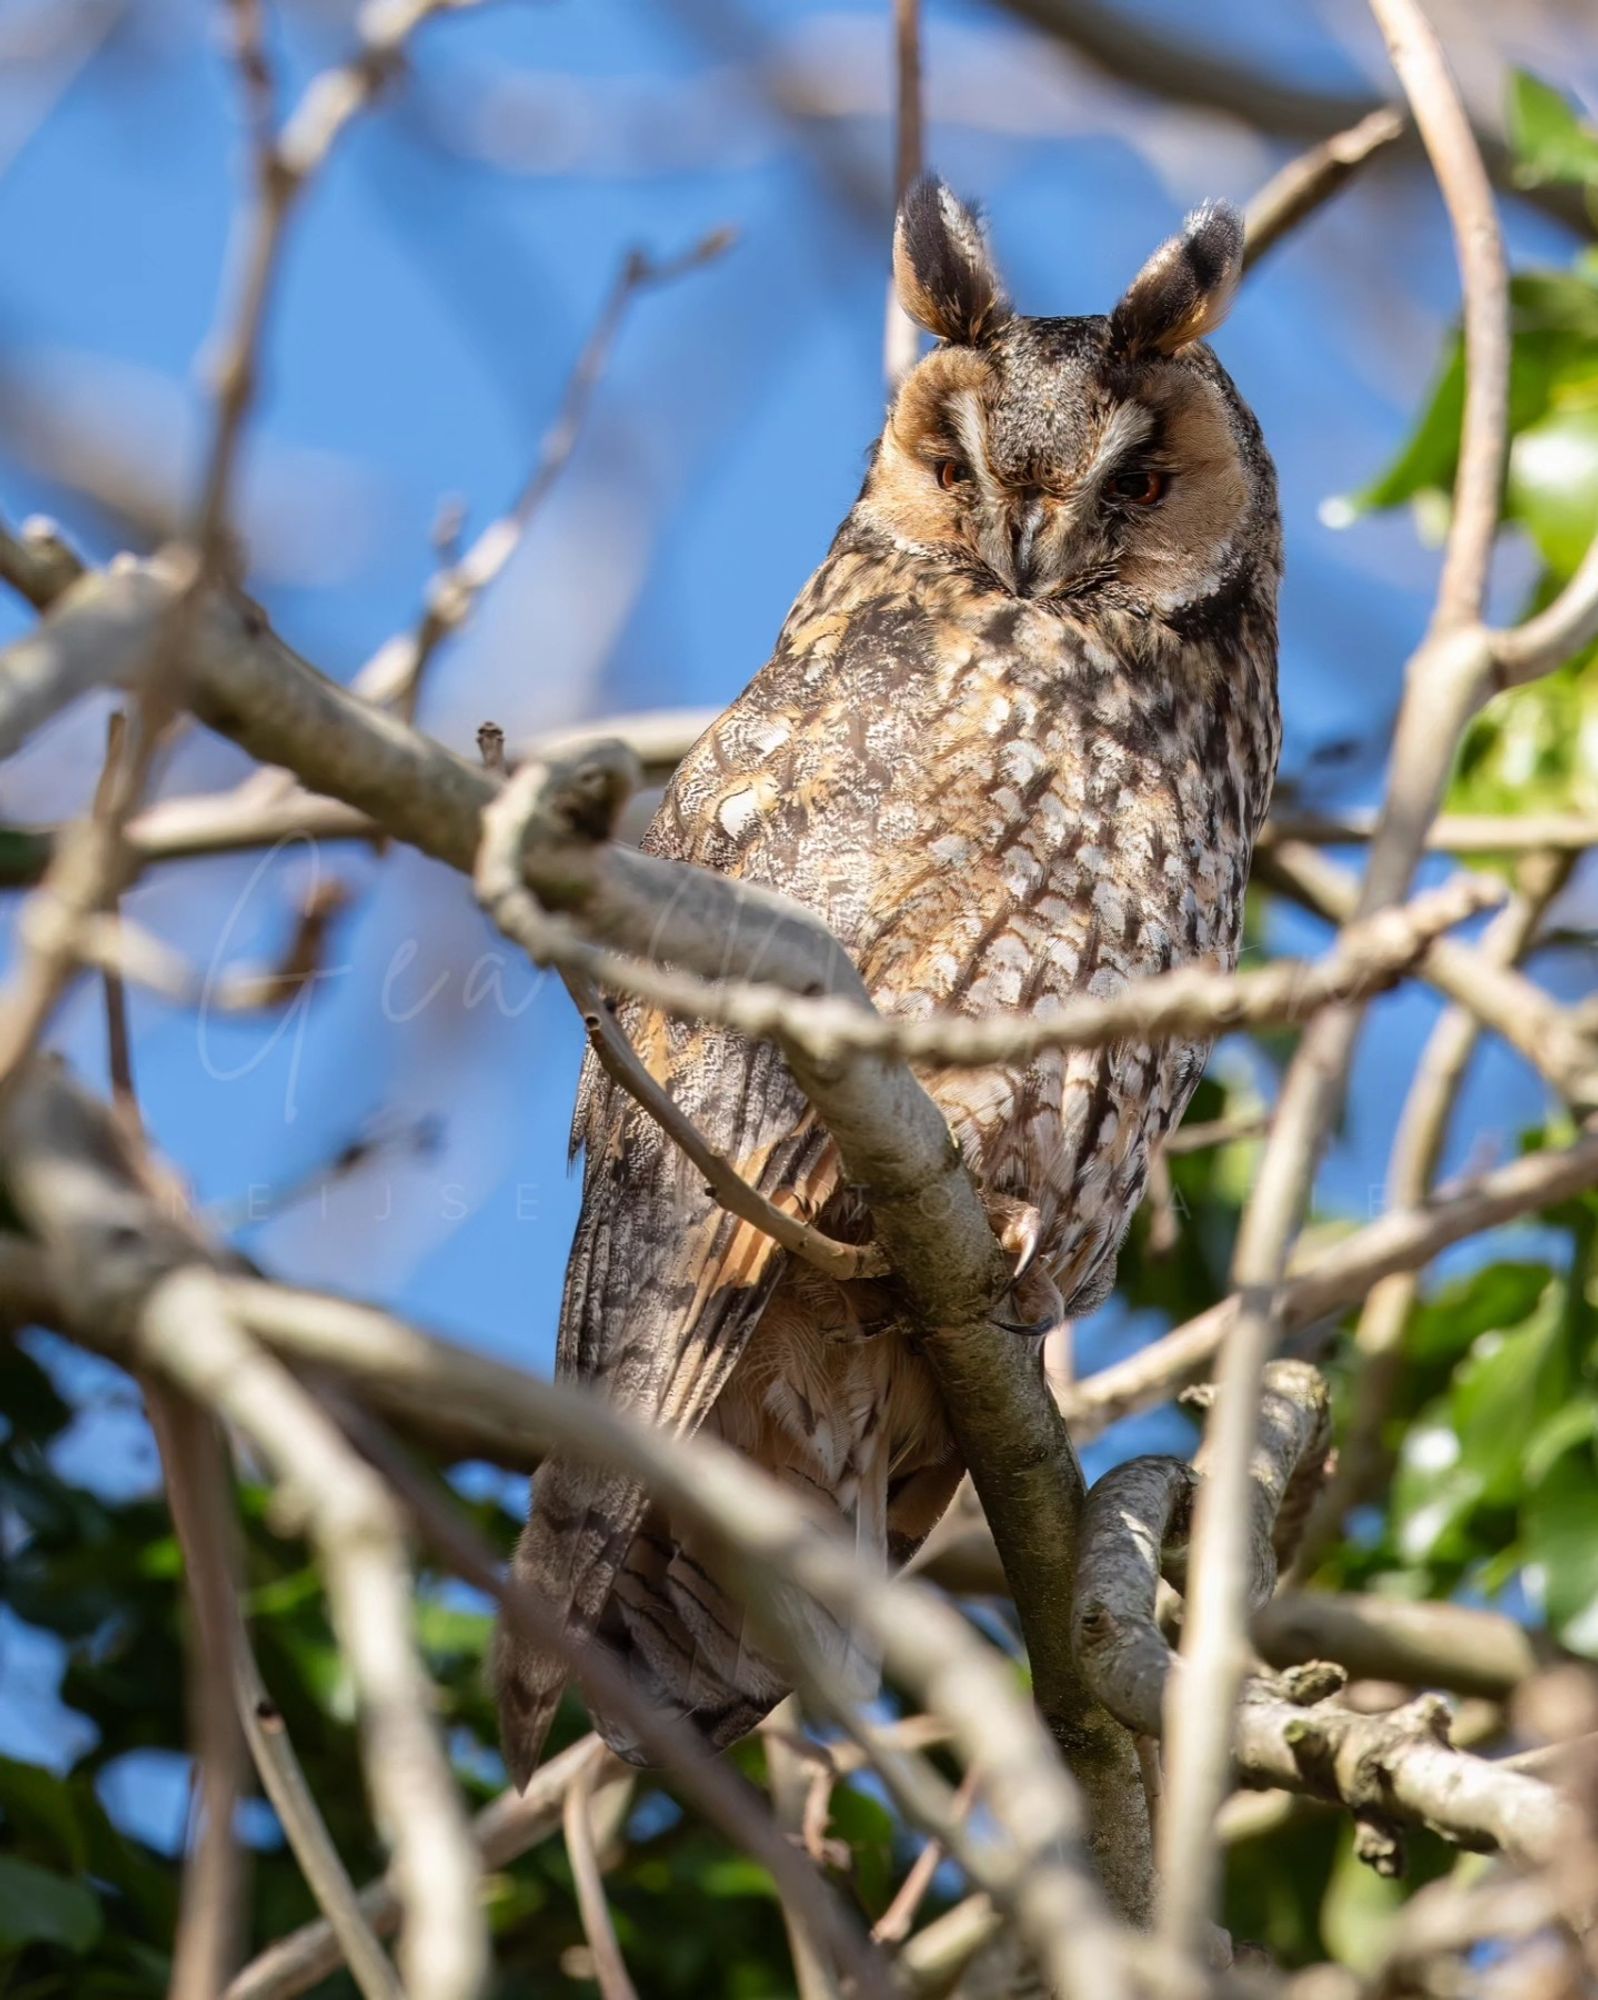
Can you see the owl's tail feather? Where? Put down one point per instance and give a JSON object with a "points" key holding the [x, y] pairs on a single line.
{"points": [[681, 1627], [575, 1541]]}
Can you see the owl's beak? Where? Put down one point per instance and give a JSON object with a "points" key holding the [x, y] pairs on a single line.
{"points": [[1025, 562]]}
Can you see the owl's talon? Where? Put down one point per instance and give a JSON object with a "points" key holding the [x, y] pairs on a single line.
{"points": [[1035, 1299], [1019, 1228], [1033, 1329]]}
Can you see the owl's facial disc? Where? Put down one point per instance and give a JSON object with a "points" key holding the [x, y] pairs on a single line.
{"points": [[1060, 473]]}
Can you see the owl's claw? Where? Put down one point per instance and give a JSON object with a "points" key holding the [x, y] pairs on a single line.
{"points": [[1019, 1228], [1037, 1300], [1018, 1225]]}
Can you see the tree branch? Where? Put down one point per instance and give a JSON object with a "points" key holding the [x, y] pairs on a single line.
{"points": [[1396, 1765], [1447, 681], [139, 1280], [1401, 1240], [1300, 187]]}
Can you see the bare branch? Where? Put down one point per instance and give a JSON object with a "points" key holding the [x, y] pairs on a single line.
{"points": [[348, 1922], [282, 169], [191, 1466], [124, 1275], [1555, 635], [894, 1925], [621, 1063], [1401, 1240], [394, 672], [774, 1544], [139, 1279], [1480, 982], [901, 340], [669, 1739], [1422, 1131], [1463, 1647], [1449, 833], [1447, 681], [38, 563], [1417, 56], [610, 1968], [791, 1781], [514, 1822], [1190, 70]]}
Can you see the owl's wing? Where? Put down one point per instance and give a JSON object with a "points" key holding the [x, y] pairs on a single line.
{"points": [[664, 1287]]}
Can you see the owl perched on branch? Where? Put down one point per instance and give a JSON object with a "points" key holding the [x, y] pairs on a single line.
{"points": [[1015, 743]]}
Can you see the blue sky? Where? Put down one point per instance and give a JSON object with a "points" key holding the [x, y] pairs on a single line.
{"points": [[440, 281]]}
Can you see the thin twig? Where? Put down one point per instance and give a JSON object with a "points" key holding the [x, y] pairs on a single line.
{"points": [[394, 672], [1304, 184], [1402, 1240], [775, 1545], [1417, 1148], [1449, 832], [282, 168], [669, 1739], [209, 1913], [620, 1061], [305, 1830], [508, 1827], [1490, 990], [1555, 635], [610, 1968], [1417, 56], [898, 1919], [795, 1791], [188, 1329]]}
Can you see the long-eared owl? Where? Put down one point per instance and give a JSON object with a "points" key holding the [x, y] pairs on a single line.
{"points": [[1014, 743]]}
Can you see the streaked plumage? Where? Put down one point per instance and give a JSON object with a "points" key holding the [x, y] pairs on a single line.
{"points": [[1014, 742]]}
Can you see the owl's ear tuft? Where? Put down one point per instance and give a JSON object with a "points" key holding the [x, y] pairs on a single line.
{"points": [[1185, 289], [943, 270]]}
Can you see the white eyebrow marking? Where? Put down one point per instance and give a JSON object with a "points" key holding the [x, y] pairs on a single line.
{"points": [[965, 414], [1130, 425]]}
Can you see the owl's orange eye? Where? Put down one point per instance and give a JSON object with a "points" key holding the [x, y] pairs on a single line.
{"points": [[1142, 489], [951, 473]]}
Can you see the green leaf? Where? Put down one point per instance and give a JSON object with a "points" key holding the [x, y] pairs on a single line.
{"points": [[1548, 137], [38, 1906], [869, 1829], [39, 1805], [1553, 482], [1464, 1456], [1553, 362], [1491, 1300], [1561, 1536]]}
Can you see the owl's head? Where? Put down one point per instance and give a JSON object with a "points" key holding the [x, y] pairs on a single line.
{"points": [[1105, 459]]}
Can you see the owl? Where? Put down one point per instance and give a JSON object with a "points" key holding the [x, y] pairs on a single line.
{"points": [[1015, 743]]}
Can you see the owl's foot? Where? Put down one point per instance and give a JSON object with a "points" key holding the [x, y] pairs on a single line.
{"points": [[1033, 1298]]}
